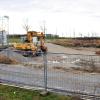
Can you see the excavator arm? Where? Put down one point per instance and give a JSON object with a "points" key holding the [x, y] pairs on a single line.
{"points": [[40, 36], [32, 34]]}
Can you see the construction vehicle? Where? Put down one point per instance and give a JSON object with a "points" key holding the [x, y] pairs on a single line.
{"points": [[32, 44]]}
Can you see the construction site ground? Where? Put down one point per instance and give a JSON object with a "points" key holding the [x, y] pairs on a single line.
{"points": [[71, 50], [61, 75], [11, 57]]}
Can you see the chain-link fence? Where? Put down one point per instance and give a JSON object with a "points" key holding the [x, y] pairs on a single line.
{"points": [[61, 72]]}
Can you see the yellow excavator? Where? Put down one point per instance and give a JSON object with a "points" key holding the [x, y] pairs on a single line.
{"points": [[32, 44]]}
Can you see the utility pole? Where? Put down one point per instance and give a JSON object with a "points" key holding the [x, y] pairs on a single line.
{"points": [[74, 33], [56, 33]]}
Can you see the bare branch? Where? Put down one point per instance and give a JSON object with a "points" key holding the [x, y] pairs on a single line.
{"points": [[26, 25], [43, 27]]}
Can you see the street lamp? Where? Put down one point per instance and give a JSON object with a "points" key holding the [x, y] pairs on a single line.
{"points": [[4, 28], [7, 17]]}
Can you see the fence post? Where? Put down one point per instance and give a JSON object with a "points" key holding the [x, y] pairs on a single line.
{"points": [[45, 70]]}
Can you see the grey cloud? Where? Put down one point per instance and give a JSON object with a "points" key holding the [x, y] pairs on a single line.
{"points": [[85, 7], [15, 5], [46, 5]]}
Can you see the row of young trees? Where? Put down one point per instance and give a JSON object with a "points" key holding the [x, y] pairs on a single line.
{"points": [[27, 27]]}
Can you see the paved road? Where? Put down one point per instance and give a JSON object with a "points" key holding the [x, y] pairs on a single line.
{"points": [[83, 82]]}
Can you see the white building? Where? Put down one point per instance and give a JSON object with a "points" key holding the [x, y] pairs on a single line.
{"points": [[3, 38]]}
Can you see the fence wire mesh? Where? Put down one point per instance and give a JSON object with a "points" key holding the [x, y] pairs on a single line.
{"points": [[15, 68], [73, 73]]}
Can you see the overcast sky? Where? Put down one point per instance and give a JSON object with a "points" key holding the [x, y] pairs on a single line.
{"points": [[63, 17]]}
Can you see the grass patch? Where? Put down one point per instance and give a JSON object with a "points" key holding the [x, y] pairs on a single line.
{"points": [[15, 93], [14, 40]]}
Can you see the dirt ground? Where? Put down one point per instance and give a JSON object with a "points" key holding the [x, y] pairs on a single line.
{"points": [[74, 50], [64, 61]]}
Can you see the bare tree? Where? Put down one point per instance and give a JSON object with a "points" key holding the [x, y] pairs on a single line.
{"points": [[26, 25], [43, 27]]}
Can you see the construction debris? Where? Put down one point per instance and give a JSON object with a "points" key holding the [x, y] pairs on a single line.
{"points": [[9, 56], [98, 52], [6, 60]]}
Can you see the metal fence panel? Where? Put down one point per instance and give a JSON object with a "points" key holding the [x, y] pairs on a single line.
{"points": [[74, 73], [24, 70]]}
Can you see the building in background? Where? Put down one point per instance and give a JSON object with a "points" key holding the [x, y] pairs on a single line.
{"points": [[3, 38], [50, 36]]}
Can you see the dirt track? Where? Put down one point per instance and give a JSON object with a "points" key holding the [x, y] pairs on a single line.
{"points": [[60, 49]]}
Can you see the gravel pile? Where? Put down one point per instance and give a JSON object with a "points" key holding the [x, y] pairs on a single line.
{"points": [[13, 55]]}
